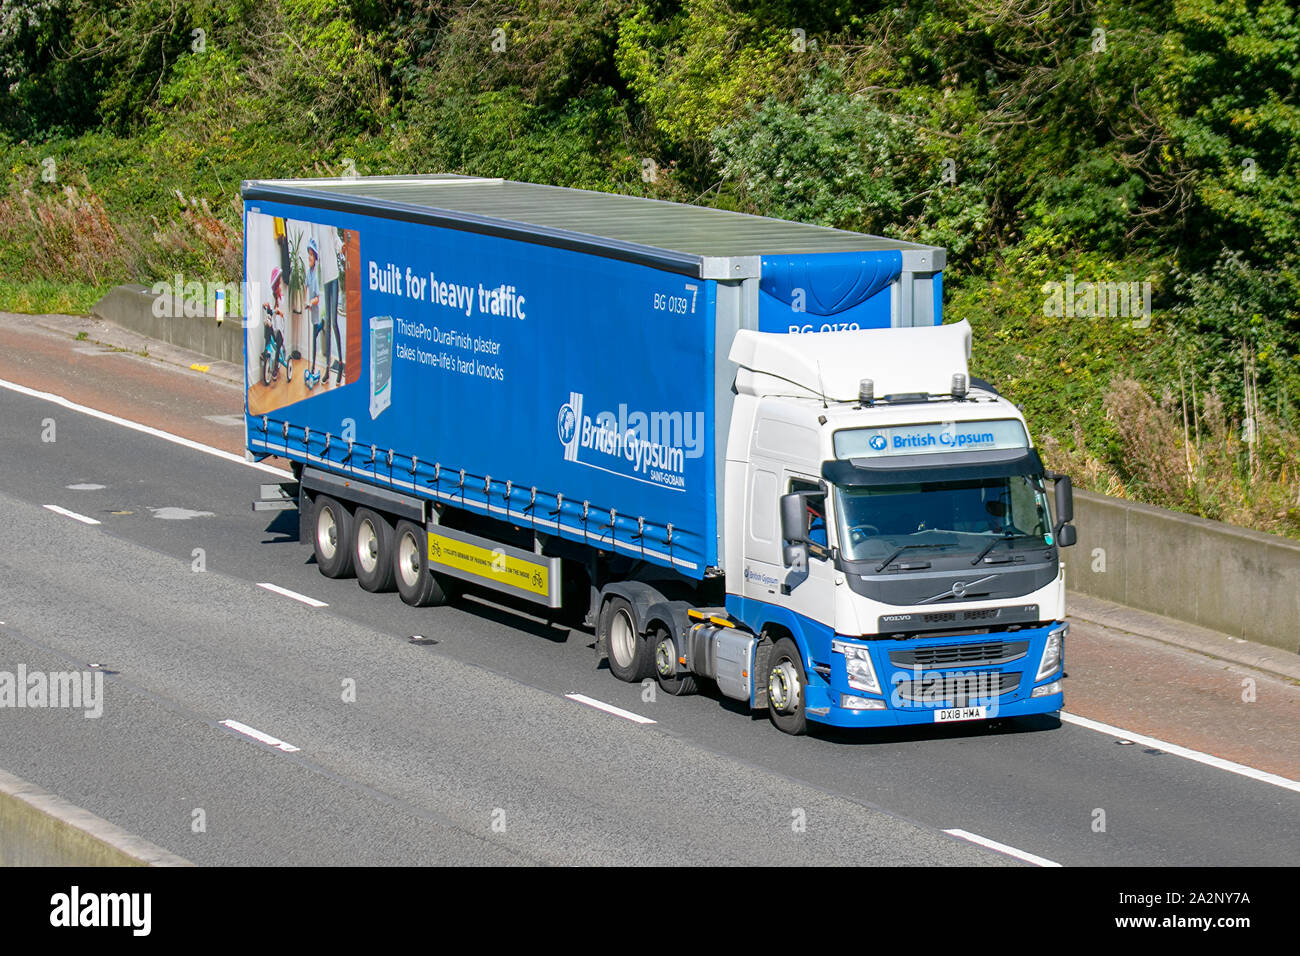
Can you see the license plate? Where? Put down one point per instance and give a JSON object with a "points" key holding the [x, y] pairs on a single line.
{"points": [[959, 713]]}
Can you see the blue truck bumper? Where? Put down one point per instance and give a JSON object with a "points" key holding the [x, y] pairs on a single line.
{"points": [[923, 681]]}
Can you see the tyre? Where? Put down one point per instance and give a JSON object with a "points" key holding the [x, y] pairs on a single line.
{"points": [[288, 371], [665, 653], [418, 586], [332, 540], [629, 653], [372, 551], [268, 370], [787, 688]]}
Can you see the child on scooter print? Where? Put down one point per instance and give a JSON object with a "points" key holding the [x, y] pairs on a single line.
{"points": [[273, 327]]}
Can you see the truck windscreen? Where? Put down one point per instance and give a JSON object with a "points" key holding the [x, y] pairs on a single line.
{"points": [[955, 516]]}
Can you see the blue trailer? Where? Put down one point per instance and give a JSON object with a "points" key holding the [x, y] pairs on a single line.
{"points": [[659, 418]]}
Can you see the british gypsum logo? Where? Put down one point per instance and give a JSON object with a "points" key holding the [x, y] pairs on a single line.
{"points": [[655, 445]]}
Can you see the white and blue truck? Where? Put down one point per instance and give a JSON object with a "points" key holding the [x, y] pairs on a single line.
{"points": [[745, 451]]}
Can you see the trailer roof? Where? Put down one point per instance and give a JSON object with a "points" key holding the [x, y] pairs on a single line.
{"points": [[696, 240]]}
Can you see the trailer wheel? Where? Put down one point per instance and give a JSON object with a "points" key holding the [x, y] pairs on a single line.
{"points": [[665, 658], [630, 658], [418, 586], [373, 550], [332, 541], [787, 688]]}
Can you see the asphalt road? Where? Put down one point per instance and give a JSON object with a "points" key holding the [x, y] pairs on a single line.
{"points": [[466, 750]]}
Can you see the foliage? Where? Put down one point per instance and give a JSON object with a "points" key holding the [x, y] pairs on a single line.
{"points": [[1034, 139]]}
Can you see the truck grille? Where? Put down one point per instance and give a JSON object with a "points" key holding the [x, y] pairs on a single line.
{"points": [[994, 652], [938, 688]]}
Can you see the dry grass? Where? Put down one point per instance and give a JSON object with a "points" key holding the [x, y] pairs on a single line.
{"points": [[203, 235], [1188, 453], [67, 231]]}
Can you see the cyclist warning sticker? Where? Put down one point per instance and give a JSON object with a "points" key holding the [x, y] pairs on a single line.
{"points": [[491, 564]]}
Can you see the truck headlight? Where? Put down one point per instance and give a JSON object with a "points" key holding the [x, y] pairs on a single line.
{"points": [[857, 662], [1052, 652]]}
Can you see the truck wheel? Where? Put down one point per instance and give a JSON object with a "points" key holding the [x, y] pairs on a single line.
{"points": [[332, 542], [418, 586], [787, 688], [630, 658], [665, 656], [373, 550]]}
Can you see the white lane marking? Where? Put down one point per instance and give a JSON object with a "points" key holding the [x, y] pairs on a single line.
{"points": [[276, 589], [144, 429], [609, 708], [85, 486], [260, 737], [1263, 776], [1002, 848], [69, 514]]}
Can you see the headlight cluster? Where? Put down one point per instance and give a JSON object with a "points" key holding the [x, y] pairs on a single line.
{"points": [[1053, 652], [857, 661]]}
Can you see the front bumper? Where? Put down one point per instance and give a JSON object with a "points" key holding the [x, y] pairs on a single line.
{"points": [[920, 677]]}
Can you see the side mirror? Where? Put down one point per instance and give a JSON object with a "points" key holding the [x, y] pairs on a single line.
{"points": [[1064, 501], [1067, 537], [795, 557], [794, 518], [794, 530]]}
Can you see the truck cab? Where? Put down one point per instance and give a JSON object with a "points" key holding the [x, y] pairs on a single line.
{"points": [[890, 520]]}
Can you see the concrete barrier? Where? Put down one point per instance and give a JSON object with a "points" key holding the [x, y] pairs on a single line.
{"points": [[39, 829], [133, 307], [1239, 582]]}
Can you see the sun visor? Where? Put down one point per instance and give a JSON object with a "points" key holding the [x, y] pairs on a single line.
{"points": [[915, 469]]}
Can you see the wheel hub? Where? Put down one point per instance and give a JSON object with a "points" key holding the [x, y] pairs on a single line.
{"points": [[665, 658], [368, 546], [327, 534], [410, 562], [622, 639], [783, 687]]}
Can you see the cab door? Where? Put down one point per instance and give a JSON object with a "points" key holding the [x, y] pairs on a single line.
{"points": [[812, 595], [763, 573]]}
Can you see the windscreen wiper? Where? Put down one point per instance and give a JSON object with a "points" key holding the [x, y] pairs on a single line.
{"points": [[994, 543], [907, 547]]}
